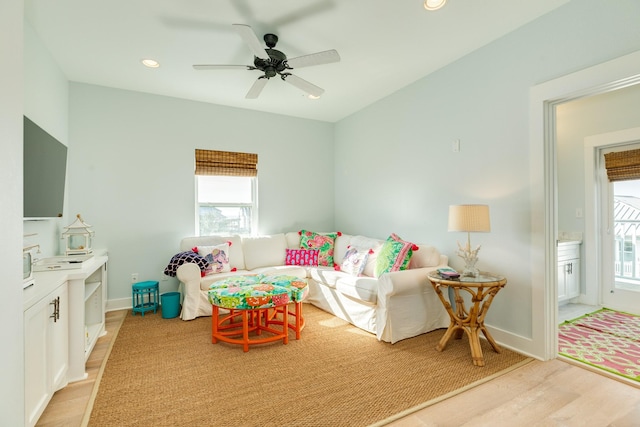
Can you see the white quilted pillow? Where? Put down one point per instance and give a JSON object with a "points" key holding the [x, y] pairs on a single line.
{"points": [[264, 251], [426, 256]]}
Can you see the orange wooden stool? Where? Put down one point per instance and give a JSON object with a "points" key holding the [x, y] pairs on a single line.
{"points": [[298, 325], [254, 321]]}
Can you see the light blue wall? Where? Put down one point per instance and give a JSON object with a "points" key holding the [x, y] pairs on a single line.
{"points": [[132, 163], [46, 102], [577, 120], [388, 168], [11, 313], [396, 154]]}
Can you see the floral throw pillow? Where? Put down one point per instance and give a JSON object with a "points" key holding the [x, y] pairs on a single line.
{"points": [[324, 243], [354, 261], [216, 256], [301, 257], [394, 255]]}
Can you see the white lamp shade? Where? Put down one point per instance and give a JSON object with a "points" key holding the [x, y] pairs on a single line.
{"points": [[469, 218]]}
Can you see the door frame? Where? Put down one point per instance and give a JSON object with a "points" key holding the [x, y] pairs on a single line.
{"points": [[595, 252], [612, 75]]}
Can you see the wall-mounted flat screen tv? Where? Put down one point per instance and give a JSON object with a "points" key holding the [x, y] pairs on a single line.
{"points": [[45, 169]]}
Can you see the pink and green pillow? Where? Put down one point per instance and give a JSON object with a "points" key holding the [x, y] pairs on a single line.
{"points": [[394, 255], [324, 243]]}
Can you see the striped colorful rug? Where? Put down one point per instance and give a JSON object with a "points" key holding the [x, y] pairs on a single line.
{"points": [[606, 339]]}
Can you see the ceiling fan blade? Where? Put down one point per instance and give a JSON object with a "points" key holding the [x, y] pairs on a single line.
{"points": [[220, 67], [303, 85], [250, 38], [257, 87], [326, 57]]}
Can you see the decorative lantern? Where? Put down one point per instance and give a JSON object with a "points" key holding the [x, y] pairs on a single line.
{"points": [[78, 237]]}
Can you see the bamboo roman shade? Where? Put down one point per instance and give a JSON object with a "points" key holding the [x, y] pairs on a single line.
{"points": [[623, 165], [227, 163]]}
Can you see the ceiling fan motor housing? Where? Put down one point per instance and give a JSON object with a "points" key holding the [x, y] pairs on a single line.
{"points": [[276, 62]]}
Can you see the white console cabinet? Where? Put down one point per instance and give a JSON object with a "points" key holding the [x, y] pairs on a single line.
{"points": [[63, 319], [568, 270], [46, 351]]}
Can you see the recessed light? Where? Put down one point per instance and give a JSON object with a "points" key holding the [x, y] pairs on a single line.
{"points": [[151, 63], [313, 97], [434, 4]]}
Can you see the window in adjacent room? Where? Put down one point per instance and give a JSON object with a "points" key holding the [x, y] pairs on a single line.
{"points": [[226, 192]]}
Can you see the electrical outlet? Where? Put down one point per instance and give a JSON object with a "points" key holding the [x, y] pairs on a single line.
{"points": [[455, 146], [134, 277]]}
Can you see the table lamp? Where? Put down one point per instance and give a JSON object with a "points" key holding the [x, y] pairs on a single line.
{"points": [[469, 218]]}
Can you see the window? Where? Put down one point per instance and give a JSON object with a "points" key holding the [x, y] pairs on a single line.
{"points": [[226, 192]]}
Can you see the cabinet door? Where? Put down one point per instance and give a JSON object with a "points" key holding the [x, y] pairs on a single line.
{"points": [[573, 279], [46, 351], [36, 382], [58, 340], [562, 280]]}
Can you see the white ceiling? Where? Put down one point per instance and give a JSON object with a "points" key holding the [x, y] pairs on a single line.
{"points": [[384, 45]]}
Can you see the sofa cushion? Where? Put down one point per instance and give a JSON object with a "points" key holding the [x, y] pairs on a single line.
{"points": [[360, 288], [236, 255], [182, 257], [354, 261], [290, 270], [326, 275], [394, 255], [301, 257], [340, 247], [207, 280], [293, 239], [426, 256], [324, 242], [264, 251]]}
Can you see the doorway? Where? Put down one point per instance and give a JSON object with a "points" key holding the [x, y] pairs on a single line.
{"points": [[585, 199], [616, 74], [619, 207]]}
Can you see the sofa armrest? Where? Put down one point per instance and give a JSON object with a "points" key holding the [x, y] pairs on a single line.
{"points": [[189, 275], [405, 282], [408, 305]]}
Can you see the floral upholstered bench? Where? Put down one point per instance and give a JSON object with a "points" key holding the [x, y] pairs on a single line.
{"points": [[261, 302]]}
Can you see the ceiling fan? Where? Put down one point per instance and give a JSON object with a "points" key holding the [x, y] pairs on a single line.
{"points": [[272, 62]]}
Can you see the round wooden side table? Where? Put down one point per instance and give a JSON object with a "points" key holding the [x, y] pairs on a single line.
{"points": [[482, 290]]}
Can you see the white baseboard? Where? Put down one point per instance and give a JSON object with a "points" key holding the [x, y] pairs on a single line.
{"points": [[514, 342], [119, 304]]}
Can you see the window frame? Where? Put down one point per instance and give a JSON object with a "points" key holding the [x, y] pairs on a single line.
{"points": [[253, 205]]}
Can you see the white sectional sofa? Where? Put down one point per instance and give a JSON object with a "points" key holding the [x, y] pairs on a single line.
{"points": [[394, 306]]}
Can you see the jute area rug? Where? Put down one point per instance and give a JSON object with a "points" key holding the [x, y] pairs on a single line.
{"points": [[166, 372], [605, 339]]}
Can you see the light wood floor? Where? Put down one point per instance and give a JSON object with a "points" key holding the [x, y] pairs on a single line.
{"points": [[553, 393]]}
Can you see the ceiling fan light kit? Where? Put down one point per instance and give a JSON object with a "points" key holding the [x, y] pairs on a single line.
{"points": [[434, 4], [272, 62]]}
